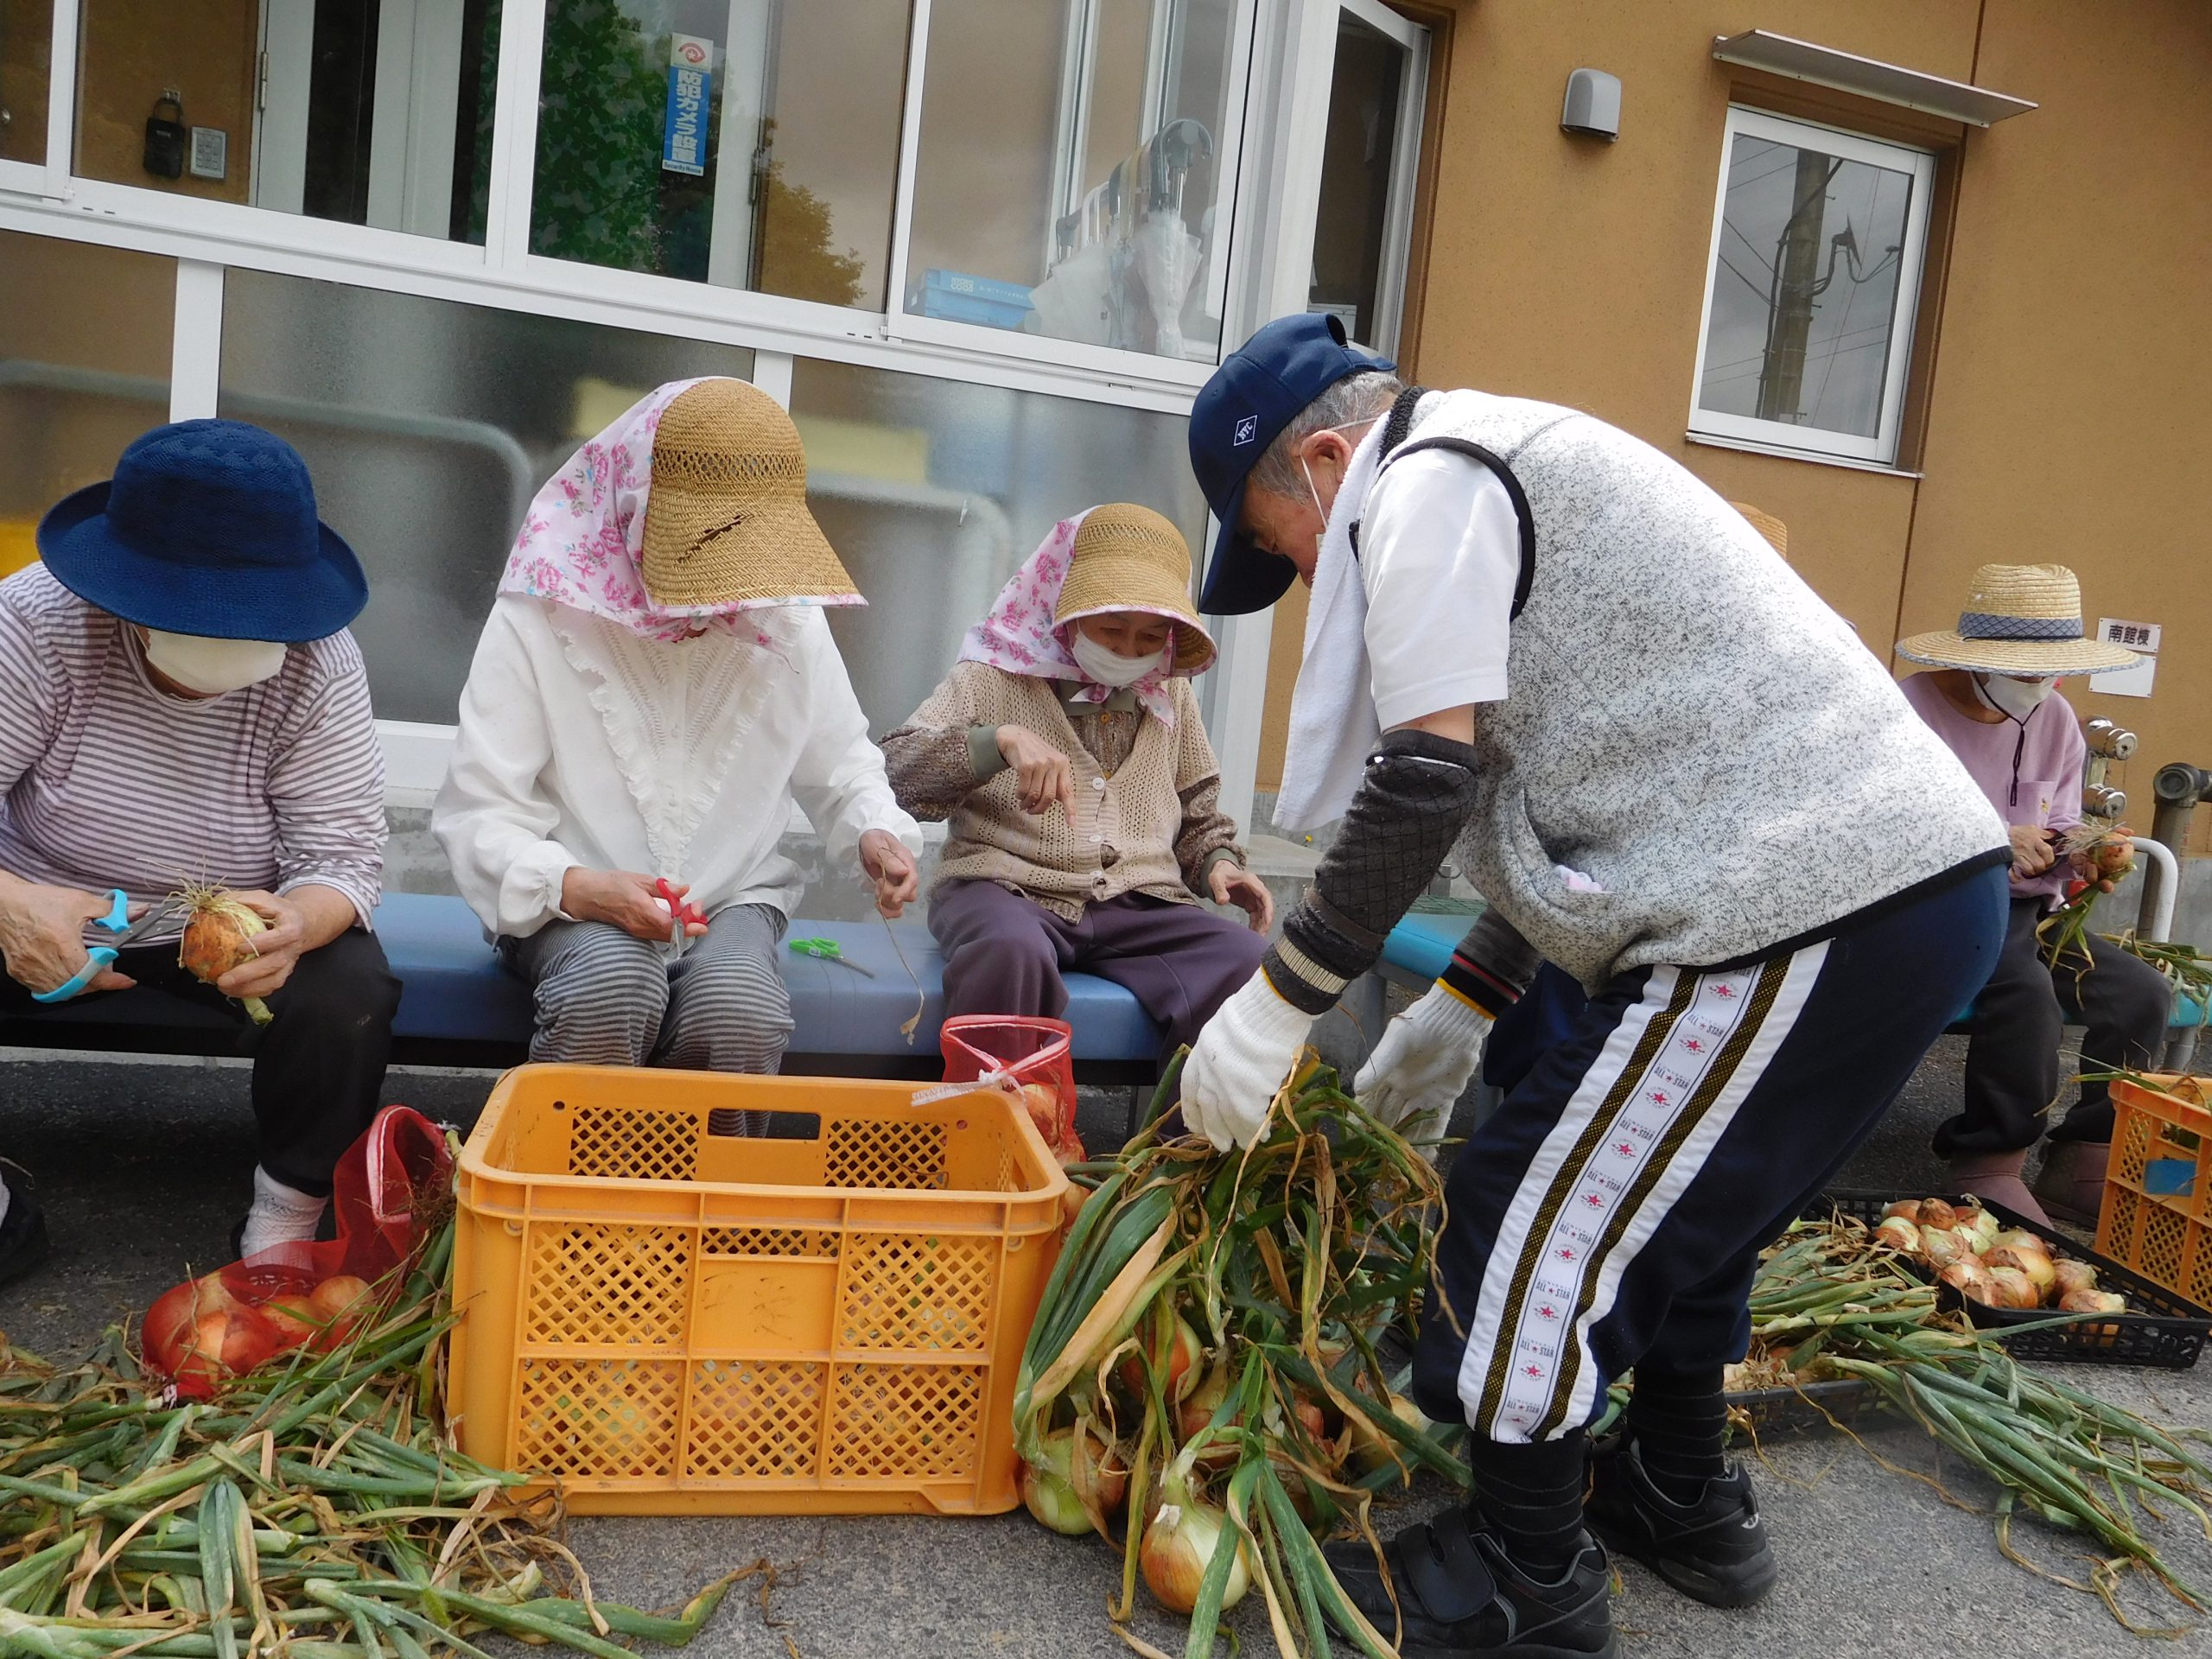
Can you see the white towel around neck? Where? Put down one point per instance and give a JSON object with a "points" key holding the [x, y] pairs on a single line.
{"points": [[1333, 724]]}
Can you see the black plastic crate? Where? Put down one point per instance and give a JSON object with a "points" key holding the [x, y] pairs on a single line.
{"points": [[2160, 1328], [1809, 1408]]}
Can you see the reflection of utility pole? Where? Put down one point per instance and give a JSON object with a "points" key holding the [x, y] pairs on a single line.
{"points": [[1797, 281]]}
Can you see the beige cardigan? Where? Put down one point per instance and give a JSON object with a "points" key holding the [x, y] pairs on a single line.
{"points": [[1149, 825]]}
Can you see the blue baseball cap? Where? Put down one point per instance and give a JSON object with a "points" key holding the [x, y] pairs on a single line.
{"points": [[1256, 392]]}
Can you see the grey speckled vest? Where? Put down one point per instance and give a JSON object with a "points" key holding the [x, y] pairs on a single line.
{"points": [[1689, 724]]}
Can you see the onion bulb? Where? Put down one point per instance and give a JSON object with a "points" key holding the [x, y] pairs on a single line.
{"points": [[293, 1317], [1179, 1542], [1185, 1353], [1968, 1277], [1904, 1209], [1048, 1487], [1373, 1449], [2018, 1238], [1936, 1213], [2070, 1277], [2010, 1288], [1899, 1234], [219, 934], [339, 1302], [1983, 1225], [1941, 1245], [2092, 1301], [2035, 1264], [1098, 1471]]}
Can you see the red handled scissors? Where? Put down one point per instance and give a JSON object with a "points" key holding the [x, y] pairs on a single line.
{"points": [[682, 913]]}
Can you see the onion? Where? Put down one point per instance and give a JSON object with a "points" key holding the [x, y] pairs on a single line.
{"points": [[1984, 1224], [2071, 1275], [1185, 1355], [293, 1317], [1372, 1449], [1940, 1246], [1936, 1212], [2019, 1238], [218, 936], [1904, 1209], [339, 1301], [2010, 1288], [1048, 1488], [1098, 1471], [1197, 1408], [1968, 1277], [1899, 1234], [2092, 1301], [1180, 1541], [2036, 1264]]}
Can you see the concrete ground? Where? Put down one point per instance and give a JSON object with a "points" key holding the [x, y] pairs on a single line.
{"points": [[143, 1167]]}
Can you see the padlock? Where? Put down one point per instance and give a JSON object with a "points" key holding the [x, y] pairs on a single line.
{"points": [[165, 139]]}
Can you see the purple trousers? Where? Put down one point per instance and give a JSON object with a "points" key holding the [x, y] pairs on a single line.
{"points": [[1004, 953]]}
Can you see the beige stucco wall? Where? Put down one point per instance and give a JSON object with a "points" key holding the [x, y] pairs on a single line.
{"points": [[2063, 399]]}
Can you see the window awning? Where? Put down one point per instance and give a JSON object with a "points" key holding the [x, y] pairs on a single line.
{"points": [[1823, 65]]}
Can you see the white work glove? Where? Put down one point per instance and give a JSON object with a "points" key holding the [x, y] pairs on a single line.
{"points": [[1242, 1057], [1422, 1065]]}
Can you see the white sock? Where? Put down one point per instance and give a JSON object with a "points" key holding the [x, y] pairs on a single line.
{"points": [[279, 1216]]}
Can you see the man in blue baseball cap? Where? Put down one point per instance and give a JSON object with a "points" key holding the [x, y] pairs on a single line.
{"points": [[1540, 646]]}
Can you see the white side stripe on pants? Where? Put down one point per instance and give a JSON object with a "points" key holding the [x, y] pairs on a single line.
{"points": [[1634, 1134]]}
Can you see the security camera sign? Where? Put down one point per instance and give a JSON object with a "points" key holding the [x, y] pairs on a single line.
{"points": [[690, 83]]}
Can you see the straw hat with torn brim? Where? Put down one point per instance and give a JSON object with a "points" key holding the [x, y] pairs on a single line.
{"points": [[2023, 619], [1129, 558], [727, 524]]}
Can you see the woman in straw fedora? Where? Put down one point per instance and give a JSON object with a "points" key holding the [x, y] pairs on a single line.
{"points": [[655, 685], [1066, 748], [1988, 697]]}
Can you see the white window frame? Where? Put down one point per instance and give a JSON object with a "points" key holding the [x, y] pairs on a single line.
{"points": [[1813, 443], [1265, 117]]}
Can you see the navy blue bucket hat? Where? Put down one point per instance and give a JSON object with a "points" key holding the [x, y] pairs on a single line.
{"points": [[208, 527], [1257, 391]]}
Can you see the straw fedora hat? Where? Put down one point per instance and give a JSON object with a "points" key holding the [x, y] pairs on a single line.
{"points": [[726, 519], [1129, 558], [1777, 532], [2019, 618]]}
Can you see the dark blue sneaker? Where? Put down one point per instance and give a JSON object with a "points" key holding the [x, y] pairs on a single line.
{"points": [[1714, 1550], [1459, 1596]]}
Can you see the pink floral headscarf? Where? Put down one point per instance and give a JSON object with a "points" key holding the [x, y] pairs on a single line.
{"points": [[1019, 636], [580, 541]]}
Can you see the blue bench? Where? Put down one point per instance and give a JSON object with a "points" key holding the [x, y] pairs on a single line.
{"points": [[460, 1007]]}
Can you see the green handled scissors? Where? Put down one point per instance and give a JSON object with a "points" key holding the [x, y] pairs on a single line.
{"points": [[829, 950]]}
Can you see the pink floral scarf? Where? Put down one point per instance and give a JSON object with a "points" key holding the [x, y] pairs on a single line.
{"points": [[1019, 636], [580, 541]]}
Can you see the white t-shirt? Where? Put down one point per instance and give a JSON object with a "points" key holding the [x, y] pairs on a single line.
{"points": [[1439, 555]]}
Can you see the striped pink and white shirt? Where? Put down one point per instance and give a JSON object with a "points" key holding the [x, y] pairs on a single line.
{"points": [[107, 781]]}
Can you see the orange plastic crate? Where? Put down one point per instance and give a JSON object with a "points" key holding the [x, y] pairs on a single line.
{"points": [[666, 1320], [2162, 1138]]}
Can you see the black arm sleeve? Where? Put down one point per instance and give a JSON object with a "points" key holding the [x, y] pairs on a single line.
{"points": [[1492, 966], [1412, 803]]}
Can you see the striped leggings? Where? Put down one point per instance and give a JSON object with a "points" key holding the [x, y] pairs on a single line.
{"points": [[1612, 1210], [605, 998]]}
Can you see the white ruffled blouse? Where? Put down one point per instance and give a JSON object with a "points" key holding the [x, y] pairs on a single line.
{"points": [[583, 744]]}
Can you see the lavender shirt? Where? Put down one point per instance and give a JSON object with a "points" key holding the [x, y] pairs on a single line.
{"points": [[2047, 788]]}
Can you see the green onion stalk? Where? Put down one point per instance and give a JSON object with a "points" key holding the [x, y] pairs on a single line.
{"points": [[1211, 1344], [317, 1507]]}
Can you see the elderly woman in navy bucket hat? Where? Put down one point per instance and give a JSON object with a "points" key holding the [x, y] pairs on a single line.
{"points": [[181, 704]]}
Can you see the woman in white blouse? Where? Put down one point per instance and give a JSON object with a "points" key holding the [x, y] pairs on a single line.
{"points": [[655, 687]]}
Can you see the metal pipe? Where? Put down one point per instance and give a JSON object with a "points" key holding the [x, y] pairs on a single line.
{"points": [[2177, 789], [2161, 888]]}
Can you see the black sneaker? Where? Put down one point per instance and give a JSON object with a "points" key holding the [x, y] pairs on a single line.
{"points": [[1714, 1550], [1460, 1598], [23, 1243]]}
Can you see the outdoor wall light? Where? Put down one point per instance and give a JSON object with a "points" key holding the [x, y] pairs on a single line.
{"points": [[1593, 105]]}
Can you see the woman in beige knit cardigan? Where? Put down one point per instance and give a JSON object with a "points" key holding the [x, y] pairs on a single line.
{"points": [[1066, 748]]}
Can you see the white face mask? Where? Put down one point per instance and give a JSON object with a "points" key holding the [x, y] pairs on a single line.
{"points": [[2016, 699], [1110, 667], [212, 667]]}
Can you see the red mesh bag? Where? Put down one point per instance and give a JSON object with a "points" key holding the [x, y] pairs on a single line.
{"points": [[1031, 1055], [389, 1189]]}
